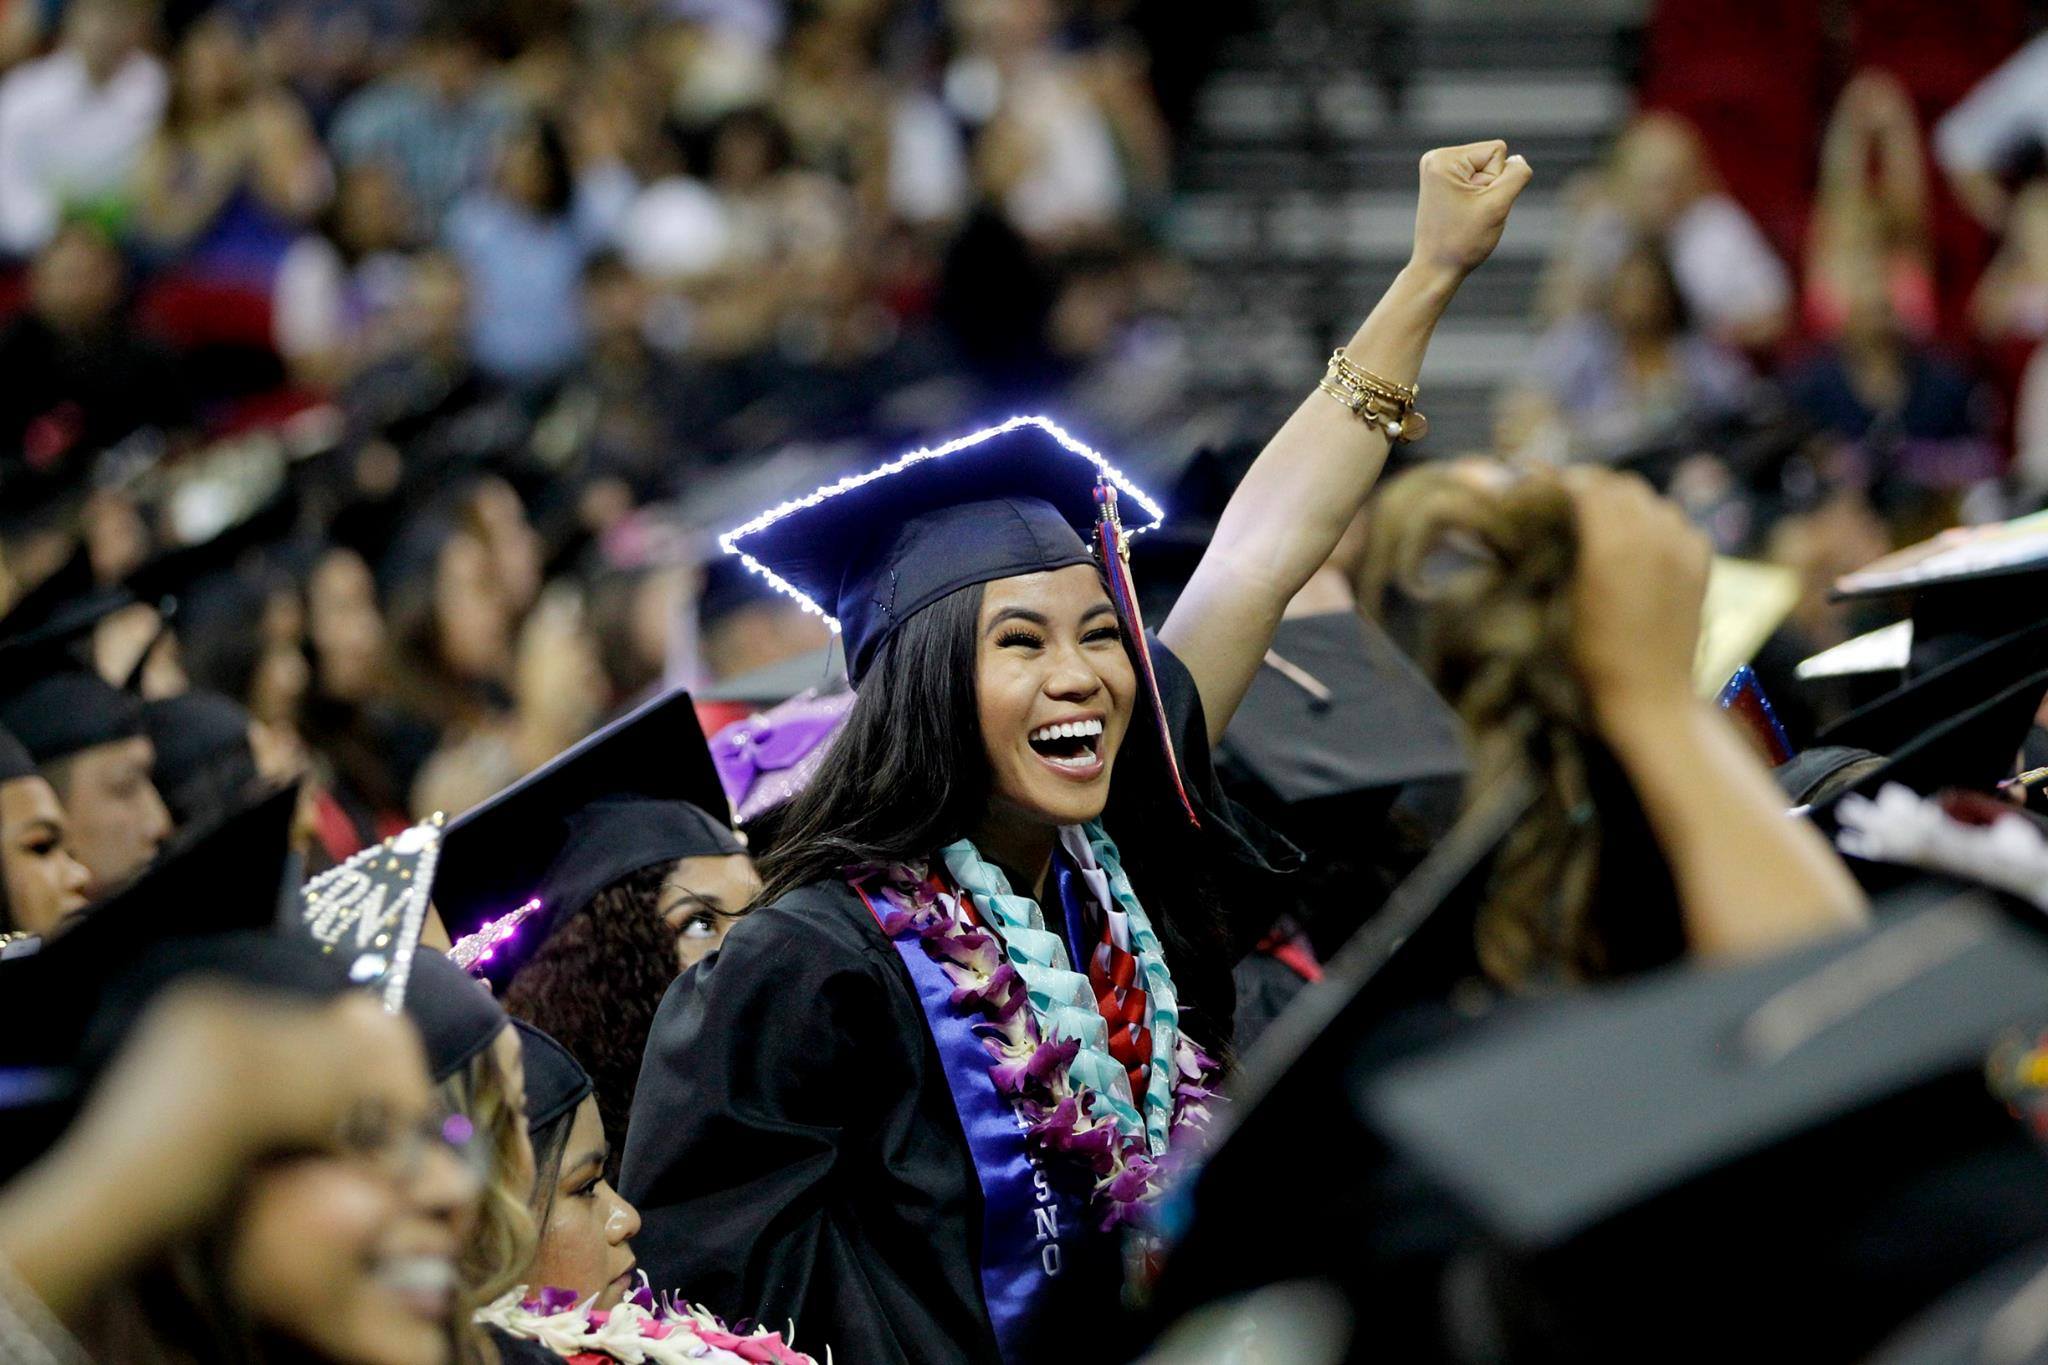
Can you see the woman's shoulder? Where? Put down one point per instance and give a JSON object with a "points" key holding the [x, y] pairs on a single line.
{"points": [[825, 916]]}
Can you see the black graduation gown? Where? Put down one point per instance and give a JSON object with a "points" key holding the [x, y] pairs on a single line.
{"points": [[794, 1150]]}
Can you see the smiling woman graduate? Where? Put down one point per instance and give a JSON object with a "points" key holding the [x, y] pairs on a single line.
{"points": [[947, 1055]]}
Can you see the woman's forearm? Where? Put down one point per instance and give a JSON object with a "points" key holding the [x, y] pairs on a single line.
{"points": [[1750, 879], [1294, 503], [1313, 476]]}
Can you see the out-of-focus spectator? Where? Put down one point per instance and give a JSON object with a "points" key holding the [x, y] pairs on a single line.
{"points": [[339, 288], [1637, 371], [1913, 414], [523, 244], [436, 121], [73, 124], [1659, 185], [1872, 202], [2004, 117], [1048, 148], [2011, 300], [77, 380], [620, 425], [235, 172]]}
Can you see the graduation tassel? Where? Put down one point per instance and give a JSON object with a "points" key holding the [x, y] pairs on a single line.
{"points": [[1115, 553]]}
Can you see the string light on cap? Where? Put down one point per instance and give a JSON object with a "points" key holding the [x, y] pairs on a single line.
{"points": [[730, 542]]}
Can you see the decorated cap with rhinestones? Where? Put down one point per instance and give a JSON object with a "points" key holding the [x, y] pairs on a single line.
{"points": [[369, 910]]}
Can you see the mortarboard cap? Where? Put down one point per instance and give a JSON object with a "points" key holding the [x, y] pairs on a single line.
{"points": [[369, 910], [38, 1101], [46, 620], [227, 878], [61, 713], [640, 791], [15, 761], [202, 752], [455, 1014], [1947, 689], [1813, 1127], [555, 1081], [1974, 749], [1964, 588], [1339, 710], [872, 550], [1884, 650]]}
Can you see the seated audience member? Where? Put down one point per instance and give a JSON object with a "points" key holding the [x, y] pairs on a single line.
{"points": [[1916, 417], [235, 172], [1980, 137], [339, 288], [1659, 185], [78, 380], [74, 123], [1633, 373], [435, 121], [523, 244], [1871, 205]]}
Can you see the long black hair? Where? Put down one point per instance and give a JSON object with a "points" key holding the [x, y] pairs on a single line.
{"points": [[908, 774]]}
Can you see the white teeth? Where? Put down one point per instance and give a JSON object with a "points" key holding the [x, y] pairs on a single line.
{"points": [[1074, 729], [429, 1274]]}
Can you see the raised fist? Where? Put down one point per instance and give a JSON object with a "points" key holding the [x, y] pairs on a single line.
{"points": [[1464, 202]]}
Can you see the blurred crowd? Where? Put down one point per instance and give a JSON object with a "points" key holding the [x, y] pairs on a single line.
{"points": [[1809, 307], [452, 328]]}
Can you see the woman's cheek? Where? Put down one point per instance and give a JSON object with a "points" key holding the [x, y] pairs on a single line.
{"points": [[305, 1234]]}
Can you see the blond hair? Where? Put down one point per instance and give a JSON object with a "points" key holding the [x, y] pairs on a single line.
{"points": [[1471, 565]]}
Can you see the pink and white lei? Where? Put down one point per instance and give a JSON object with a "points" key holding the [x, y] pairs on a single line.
{"points": [[640, 1331], [1064, 1118]]}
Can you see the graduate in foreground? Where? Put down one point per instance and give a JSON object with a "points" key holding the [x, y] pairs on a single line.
{"points": [[933, 1073]]}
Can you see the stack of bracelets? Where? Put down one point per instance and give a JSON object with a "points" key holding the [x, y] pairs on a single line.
{"points": [[1373, 400]]}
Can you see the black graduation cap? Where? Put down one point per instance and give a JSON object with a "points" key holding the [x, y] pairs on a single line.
{"points": [[170, 577], [1975, 748], [202, 751], [37, 1102], [1339, 710], [640, 791], [60, 713], [456, 1016], [369, 910], [220, 880], [1967, 586], [15, 761], [45, 621], [555, 1081], [1948, 689], [1812, 1129], [872, 550]]}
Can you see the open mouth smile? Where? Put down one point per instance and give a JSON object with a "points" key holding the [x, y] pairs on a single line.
{"points": [[1073, 749]]}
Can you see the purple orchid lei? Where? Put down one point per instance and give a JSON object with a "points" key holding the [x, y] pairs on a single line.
{"points": [[1028, 1071]]}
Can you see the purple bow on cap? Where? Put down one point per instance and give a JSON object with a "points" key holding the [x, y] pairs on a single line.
{"points": [[767, 758]]}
